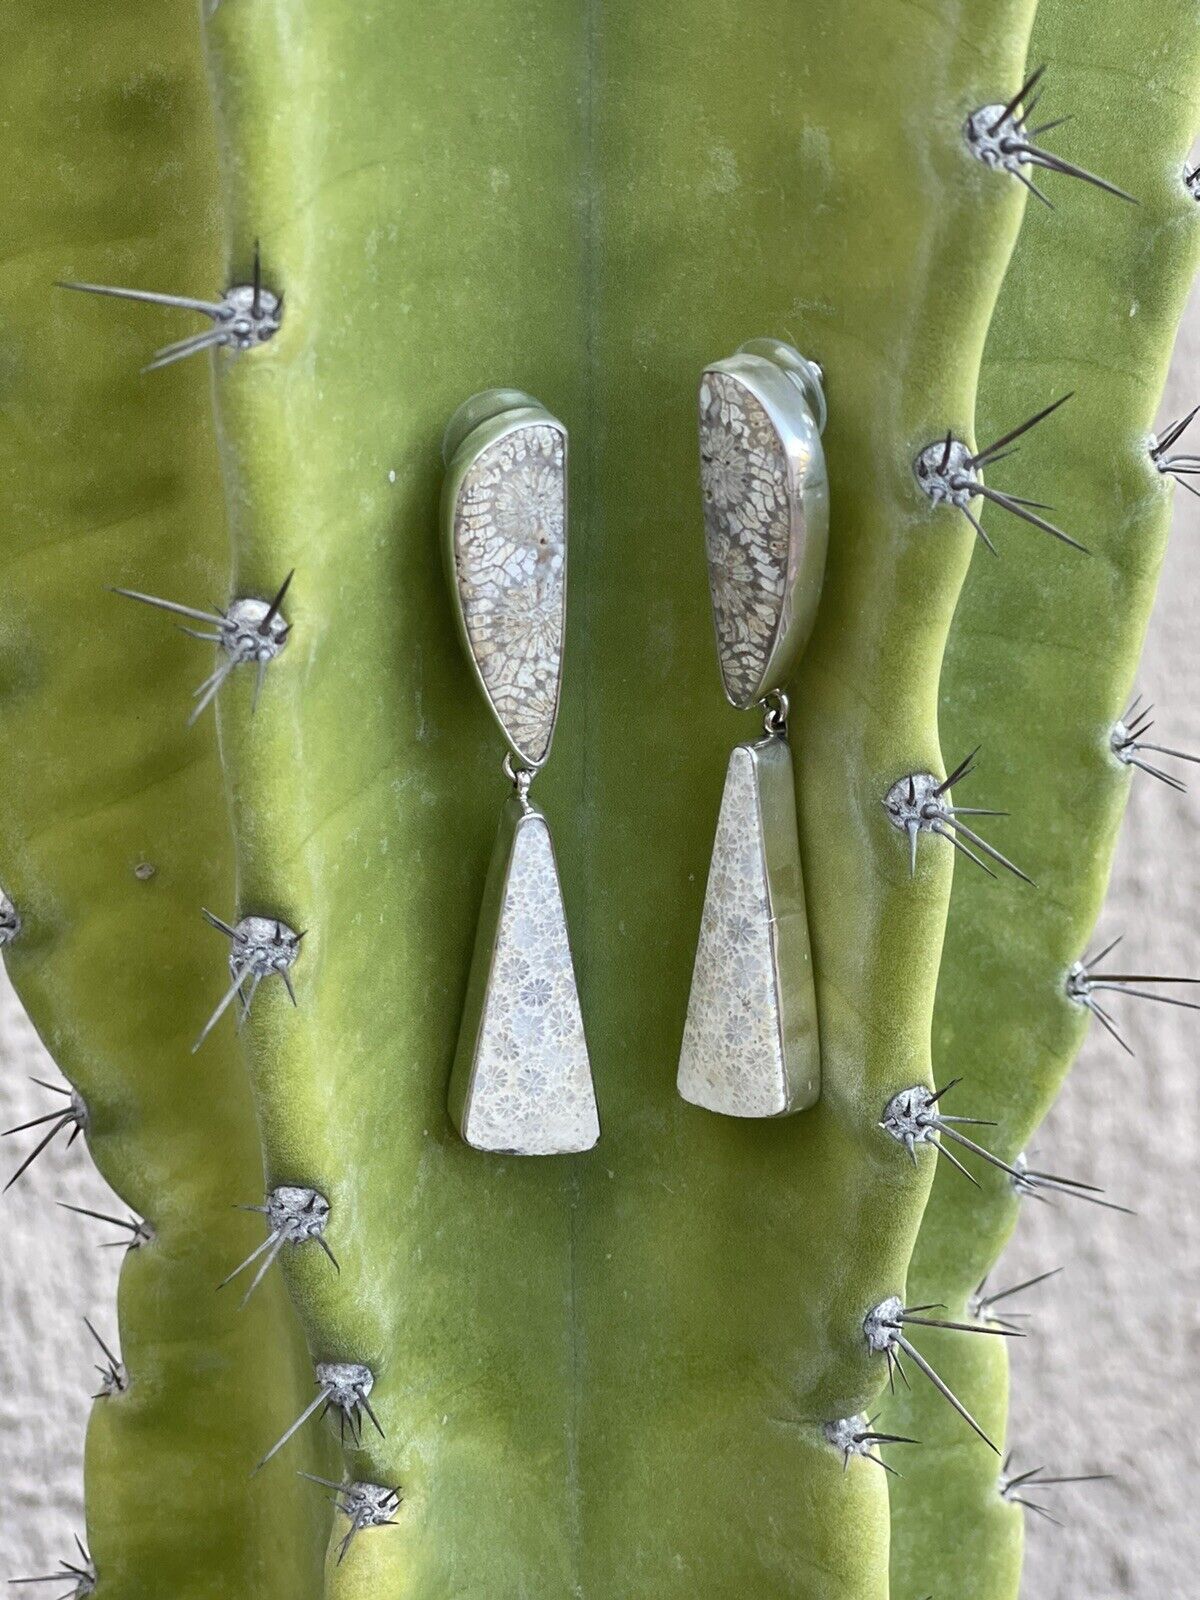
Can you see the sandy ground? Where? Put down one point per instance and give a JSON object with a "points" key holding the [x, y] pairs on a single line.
{"points": [[1109, 1383]]}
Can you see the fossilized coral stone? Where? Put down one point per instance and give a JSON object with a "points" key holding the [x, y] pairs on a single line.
{"points": [[750, 1040], [744, 471], [510, 565], [524, 1081]]}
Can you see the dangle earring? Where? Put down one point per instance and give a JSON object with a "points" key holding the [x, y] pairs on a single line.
{"points": [[750, 1046], [521, 1082]]}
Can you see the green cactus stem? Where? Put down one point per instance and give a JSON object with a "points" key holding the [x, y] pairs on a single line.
{"points": [[112, 831], [608, 1374], [1039, 670]]}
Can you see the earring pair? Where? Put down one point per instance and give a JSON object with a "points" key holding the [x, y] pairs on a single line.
{"points": [[521, 1081]]}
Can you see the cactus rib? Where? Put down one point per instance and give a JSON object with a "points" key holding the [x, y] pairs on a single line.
{"points": [[111, 479], [1039, 666]]}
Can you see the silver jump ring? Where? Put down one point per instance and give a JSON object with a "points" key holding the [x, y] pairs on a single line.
{"points": [[519, 777], [775, 713]]}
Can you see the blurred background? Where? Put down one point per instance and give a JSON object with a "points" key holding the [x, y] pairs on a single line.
{"points": [[1110, 1377]]}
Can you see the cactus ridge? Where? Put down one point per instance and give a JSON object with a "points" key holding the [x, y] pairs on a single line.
{"points": [[112, 829], [1039, 666]]}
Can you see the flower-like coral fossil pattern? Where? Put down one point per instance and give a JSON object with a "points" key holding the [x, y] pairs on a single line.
{"points": [[747, 522], [510, 555], [732, 1052], [533, 1086]]}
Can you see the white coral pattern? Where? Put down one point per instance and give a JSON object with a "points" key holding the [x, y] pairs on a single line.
{"points": [[532, 1088], [509, 551], [732, 1055], [747, 524]]}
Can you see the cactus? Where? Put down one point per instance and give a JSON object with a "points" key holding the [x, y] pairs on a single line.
{"points": [[1039, 670], [648, 1368], [621, 1355], [111, 817]]}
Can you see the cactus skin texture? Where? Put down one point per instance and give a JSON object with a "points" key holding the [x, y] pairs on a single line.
{"points": [[1040, 664], [603, 1375], [109, 477]]}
